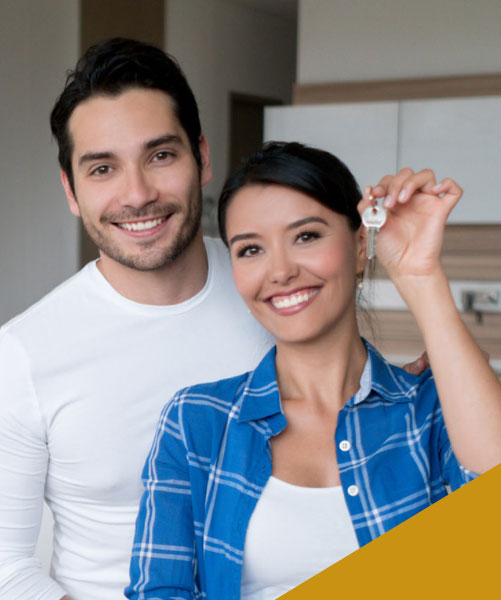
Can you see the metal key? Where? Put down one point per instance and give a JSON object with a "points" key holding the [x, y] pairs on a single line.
{"points": [[373, 217]]}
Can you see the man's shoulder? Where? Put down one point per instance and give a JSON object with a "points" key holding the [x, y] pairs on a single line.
{"points": [[61, 297], [217, 252]]}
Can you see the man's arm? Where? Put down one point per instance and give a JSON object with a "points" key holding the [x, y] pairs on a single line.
{"points": [[23, 467]]}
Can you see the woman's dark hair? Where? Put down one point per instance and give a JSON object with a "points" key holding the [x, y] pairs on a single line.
{"points": [[314, 172], [111, 67]]}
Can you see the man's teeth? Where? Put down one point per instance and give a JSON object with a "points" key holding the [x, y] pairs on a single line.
{"points": [[293, 299], [141, 225]]}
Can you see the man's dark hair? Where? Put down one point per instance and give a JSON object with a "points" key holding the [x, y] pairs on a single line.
{"points": [[314, 172], [111, 67]]}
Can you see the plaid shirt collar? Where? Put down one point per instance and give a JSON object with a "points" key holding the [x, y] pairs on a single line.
{"points": [[260, 397]]}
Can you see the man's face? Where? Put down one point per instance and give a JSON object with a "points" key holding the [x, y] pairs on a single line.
{"points": [[136, 181]]}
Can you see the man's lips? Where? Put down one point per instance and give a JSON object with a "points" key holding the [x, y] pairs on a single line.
{"points": [[293, 301], [143, 227]]}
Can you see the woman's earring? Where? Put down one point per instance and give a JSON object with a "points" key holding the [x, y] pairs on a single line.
{"points": [[360, 282]]}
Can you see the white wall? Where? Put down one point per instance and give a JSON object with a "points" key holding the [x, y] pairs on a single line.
{"points": [[223, 48], [38, 237], [347, 40]]}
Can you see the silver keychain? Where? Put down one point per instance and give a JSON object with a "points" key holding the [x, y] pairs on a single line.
{"points": [[373, 218]]}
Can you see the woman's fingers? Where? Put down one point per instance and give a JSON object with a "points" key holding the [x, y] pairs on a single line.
{"points": [[406, 185], [401, 189], [449, 190], [389, 185]]}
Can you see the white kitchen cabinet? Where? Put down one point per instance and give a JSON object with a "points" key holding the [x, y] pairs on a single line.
{"points": [[457, 137], [363, 135]]}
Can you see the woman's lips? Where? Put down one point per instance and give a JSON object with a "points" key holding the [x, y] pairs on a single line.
{"points": [[294, 301]]}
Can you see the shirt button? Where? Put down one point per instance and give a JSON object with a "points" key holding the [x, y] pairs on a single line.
{"points": [[353, 490], [345, 445]]}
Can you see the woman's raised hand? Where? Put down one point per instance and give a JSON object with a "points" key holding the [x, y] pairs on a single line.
{"points": [[410, 242]]}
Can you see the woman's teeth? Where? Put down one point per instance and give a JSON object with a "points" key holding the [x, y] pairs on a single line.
{"points": [[293, 299], [142, 225]]}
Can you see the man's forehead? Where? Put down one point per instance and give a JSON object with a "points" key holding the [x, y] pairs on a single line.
{"points": [[135, 116]]}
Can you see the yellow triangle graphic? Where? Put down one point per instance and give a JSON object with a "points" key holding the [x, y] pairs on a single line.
{"points": [[450, 550]]}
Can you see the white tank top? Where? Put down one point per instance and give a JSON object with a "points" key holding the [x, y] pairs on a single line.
{"points": [[294, 533]]}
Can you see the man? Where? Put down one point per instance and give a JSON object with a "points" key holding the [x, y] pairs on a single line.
{"points": [[85, 372]]}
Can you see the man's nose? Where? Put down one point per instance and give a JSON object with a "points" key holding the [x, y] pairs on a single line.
{"points": [[139, 190]]}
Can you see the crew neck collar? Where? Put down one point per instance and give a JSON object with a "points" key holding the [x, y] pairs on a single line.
{"points": [[111, 293]]}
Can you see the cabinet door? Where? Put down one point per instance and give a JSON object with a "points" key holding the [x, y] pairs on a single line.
{"points": [[458, 138], [363, 135]]}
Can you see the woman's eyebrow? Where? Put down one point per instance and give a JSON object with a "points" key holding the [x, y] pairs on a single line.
{"points": [[294, 225], [243, 236], [305, 221]]}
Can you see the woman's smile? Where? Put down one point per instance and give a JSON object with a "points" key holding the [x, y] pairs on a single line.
{"points": [[299, 262], [290, 303]]}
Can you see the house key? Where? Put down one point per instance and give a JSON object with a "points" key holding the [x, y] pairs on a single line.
{"points": [[373, 218]]}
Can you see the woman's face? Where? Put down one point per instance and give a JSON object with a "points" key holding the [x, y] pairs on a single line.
{"points": [[294, 261]]}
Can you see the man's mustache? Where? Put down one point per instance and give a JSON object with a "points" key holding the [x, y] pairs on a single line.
{"points": [[145, 212]]}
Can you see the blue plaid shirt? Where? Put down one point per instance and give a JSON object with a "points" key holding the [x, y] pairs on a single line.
{"points": [[211, 458]]}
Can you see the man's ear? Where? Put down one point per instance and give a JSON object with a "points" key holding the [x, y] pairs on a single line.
{"points": [[70, 196], [206, 167]]}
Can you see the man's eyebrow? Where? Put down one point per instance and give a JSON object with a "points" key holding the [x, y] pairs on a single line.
{"points": [[154, 143], [90, 156], [163, 139]]}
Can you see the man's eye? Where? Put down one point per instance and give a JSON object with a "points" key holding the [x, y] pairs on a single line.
{"points": [[161, 156], [249, 251], [307, 236], [101, 170]]}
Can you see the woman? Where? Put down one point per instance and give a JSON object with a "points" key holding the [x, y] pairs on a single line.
{"points": [[258, 482]]}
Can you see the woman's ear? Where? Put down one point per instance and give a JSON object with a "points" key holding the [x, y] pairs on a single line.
{"points": [[361, 248]]}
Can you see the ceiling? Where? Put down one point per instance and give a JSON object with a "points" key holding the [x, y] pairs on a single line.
{"points": [[281, 8]]}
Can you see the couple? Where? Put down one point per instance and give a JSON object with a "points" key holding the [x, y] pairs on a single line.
{"points": [[257, 482], [85, 372]]}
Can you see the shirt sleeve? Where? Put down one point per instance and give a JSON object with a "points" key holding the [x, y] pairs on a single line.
{"points": [[163, 563], [23, 468]]}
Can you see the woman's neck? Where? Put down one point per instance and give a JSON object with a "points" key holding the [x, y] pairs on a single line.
{"points": [[323, 372]]}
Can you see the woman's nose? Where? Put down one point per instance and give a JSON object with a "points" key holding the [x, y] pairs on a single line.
{"points": [[283, 268]]}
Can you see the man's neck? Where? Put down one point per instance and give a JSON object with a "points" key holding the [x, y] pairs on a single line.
{"points": [[173, 284]]}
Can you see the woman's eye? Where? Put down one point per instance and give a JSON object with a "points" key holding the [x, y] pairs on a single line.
{"points": [[248, 251], [307, 236]]}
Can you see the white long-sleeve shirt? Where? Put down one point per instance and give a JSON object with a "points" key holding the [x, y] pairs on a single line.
{"points": [[84, 374]]}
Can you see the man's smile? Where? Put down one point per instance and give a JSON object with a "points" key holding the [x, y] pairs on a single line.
{"points": [[141, 225]]}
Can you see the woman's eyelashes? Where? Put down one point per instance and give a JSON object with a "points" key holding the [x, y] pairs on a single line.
{"points": [[248, 251], [305, 237]]}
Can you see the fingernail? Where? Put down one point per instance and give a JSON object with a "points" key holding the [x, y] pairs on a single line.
{"points": [[402, 196], [387, 202]]}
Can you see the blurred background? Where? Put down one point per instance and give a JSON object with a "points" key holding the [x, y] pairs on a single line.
{"points": [[382, 83]]}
